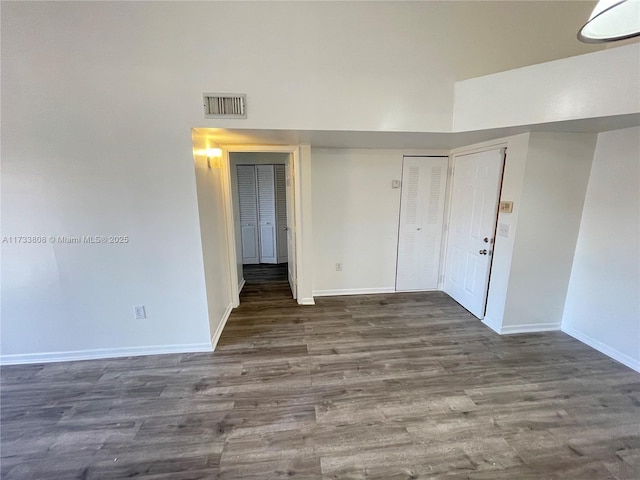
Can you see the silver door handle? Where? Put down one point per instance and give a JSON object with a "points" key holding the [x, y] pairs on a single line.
{"points": [[483, 252]]}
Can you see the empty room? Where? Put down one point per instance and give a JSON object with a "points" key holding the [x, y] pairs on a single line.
{"points": [[320, 239]]}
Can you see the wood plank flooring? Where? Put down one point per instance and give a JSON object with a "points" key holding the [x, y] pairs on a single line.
{"points": [[265, 274], [402, 386]]}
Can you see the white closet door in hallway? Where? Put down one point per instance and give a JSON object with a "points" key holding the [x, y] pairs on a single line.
{"points": [[421, 222], [267, 213], [281, 213], [263, 213], [248, 207], [477, 180]]}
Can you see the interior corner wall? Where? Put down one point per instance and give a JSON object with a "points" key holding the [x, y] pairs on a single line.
{"points": [[555, 182], [602, 306], [214, 245]]}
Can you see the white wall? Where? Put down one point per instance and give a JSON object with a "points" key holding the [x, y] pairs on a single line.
{"points": [[355, 219], [214, 244], [62, 301], [594, 85], [302, 65], [603, 301], [555, 182]]}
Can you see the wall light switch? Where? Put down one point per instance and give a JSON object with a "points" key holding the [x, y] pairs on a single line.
{"points": [[396, 184], [503, 230]]}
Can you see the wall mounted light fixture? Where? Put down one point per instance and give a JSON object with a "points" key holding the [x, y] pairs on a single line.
{"points": [[612, 20], [213, 154]]}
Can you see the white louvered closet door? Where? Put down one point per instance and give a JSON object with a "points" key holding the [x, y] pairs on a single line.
{"points": [[421, 223], [247, 195], [281, 213], [267, 213]]}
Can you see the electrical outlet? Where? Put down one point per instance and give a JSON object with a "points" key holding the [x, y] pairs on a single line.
{"points": [[139, 312], [338, 267]]}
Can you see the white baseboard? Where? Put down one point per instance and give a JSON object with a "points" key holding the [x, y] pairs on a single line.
{"points": [[216, 335], [306, 301], [351, 291], [513, 329], [603, 348], [241, 286], [529, 328], [102, 353], [492, 324]]}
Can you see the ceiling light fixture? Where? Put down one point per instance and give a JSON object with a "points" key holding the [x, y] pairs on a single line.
{"points": [[612, 20]]}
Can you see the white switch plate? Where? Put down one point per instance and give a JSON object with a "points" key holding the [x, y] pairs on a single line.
{"points": [[139, 312], [503, 230]]}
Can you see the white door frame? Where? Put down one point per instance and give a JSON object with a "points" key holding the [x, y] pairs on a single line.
{"points": [[484, 147], [295, 153]]}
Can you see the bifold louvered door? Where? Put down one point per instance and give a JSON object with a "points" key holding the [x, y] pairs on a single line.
{"points": [[267, 213], [247, 195], [281, 213], [421, 223]]}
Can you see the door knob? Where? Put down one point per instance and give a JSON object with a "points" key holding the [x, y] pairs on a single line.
{"points": [[485, 240], [483, 252]]}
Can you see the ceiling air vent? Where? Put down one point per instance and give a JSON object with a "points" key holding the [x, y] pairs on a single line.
{"points": [[224, 105]]}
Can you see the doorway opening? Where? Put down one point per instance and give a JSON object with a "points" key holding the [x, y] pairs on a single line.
{"points": [[298, 226], [262, 216]]}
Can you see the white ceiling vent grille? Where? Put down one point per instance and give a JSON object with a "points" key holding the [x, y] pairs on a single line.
{"points": [[224, 105]]}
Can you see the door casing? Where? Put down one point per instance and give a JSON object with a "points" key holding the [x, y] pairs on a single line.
{"points": [[296, 153]]}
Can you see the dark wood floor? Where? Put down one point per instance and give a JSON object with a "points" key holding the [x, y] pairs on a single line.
{"points": [[402, 386], [262, 274]]}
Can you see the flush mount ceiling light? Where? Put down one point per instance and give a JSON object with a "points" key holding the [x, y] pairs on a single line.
{"points": [[612, 20]]}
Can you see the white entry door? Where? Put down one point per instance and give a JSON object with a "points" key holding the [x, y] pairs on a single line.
{"points": [[281, 213], [248, 213], [421, 222], [291, 226], [267, 213], [477, 179]]}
